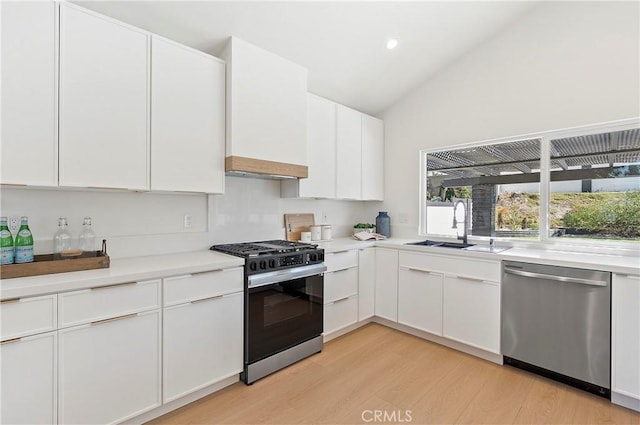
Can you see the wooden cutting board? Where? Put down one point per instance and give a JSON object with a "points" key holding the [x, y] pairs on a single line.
{"points": [[296, 223]]}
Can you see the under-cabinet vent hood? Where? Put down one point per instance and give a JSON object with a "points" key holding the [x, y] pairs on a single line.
{"points": [[266, 113]]}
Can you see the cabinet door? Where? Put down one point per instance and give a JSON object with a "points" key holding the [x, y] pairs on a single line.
{"points": [[372, 158], [625, 337], [366, 283], [109, 370], [103, 102], [321, 149], [202, 344], [29, 150], [387, 283], [29, 368], [340, 314], [471, 312], [187, 119], [348, 153], [340, 284], [420, 299]]}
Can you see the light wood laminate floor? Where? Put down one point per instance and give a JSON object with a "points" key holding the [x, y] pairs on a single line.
{"points": [[376, 368]]}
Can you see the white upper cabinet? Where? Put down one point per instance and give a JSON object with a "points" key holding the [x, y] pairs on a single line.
{"points": [[372, 158], [348, 153], [29, 151], [266, 111], [104, 98], [187, 119], [321, 153]]}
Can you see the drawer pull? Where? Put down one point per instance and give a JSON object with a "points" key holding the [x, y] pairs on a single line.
{"points": [[113, 319], [10, 300], [206, 299], [630, 276], [98, 288], [9, 341], [341, 270], [474, 279], [413, 269], [341, 299]]}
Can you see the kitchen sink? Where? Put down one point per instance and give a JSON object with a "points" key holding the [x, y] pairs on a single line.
{"points": [[440, 244]]}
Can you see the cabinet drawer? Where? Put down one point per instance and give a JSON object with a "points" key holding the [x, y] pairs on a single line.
{"points": [[27, 316], [452, 265], [341, 260], [340, 284], [197, 286], [104, 302], [340, 313]]}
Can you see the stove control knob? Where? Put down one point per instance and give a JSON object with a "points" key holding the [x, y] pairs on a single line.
{"points": [[263, 265], [253, 266], [272, 264], [313, 257]]}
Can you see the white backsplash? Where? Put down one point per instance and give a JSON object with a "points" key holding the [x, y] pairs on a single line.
{"points": [[137, 224]]}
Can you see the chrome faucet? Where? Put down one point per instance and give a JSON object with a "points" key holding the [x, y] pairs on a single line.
{"points": [[466, 220]]}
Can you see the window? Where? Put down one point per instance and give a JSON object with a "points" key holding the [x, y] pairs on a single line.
{"points": [[575, 185]]}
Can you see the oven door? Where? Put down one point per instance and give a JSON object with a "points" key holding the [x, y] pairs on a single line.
{"points": [[283, 314]]}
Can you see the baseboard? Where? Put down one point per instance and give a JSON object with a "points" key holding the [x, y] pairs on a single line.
{"points": [[625, 401], [183, 401], [477, 352], [346, 330]]}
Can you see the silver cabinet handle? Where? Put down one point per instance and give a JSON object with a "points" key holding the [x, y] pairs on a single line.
{"points": [[413, 269], [98, 288], [113, 319], [555, 278], [206, 299], [10, 341], [474, 279], [340, 300]]}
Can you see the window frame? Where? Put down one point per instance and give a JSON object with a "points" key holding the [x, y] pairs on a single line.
{"points": [[545, 138]]}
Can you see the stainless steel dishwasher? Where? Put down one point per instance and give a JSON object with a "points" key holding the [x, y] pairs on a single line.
{"points": [[556, 322]]}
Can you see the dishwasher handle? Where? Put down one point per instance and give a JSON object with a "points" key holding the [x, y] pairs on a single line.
{"points": [[556, 278]]}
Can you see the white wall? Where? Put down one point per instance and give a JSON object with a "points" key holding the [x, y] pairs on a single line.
{"points": [[143, 223], [564, 64]]}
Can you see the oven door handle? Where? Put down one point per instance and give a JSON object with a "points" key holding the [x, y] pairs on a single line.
{"points": [[278, 276]]}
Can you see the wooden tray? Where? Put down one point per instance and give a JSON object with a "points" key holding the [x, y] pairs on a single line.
{"points": [[296, 223], [50, 264]]}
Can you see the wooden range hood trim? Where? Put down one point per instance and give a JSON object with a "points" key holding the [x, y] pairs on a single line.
{"points": [[268, 168]]}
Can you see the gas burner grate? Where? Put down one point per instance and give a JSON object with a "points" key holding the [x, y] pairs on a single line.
{"points": [[251, 249]]}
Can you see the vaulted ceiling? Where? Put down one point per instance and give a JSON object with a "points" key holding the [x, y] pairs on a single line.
{"points": [[342, 44]]}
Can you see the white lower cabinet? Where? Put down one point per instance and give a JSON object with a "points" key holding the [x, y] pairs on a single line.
{"points": [[420, 299], [110, 369], [366, 283], [471, 312], [625, 340], [29, 369], [202, 343], [387, 283], [340, 298]]}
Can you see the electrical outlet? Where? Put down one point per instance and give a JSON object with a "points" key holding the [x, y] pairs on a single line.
{"points": [[187, 221], [403, 218], [325, 217], [14, 224]]}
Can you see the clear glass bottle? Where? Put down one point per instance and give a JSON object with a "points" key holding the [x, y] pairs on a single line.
{"points": [[24, 242], [62, 237], [7, 250], [87, 239]]}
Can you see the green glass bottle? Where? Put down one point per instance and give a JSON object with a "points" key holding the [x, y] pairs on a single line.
{"points": [[6, 243], [24, 242]]}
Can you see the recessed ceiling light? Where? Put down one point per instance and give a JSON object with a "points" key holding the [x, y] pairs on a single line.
{"points": [[392, 43]]}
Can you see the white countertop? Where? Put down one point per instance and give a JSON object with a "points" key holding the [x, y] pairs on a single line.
{"points": [[121, 270], [623, 264], [156, 266]]}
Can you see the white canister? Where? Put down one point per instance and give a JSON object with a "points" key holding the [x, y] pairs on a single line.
{"points": [[305, 236], [316, 233], [325, 232]]}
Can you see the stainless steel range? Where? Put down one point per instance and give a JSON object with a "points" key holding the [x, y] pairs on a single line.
{"points": [[283, 300]]}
